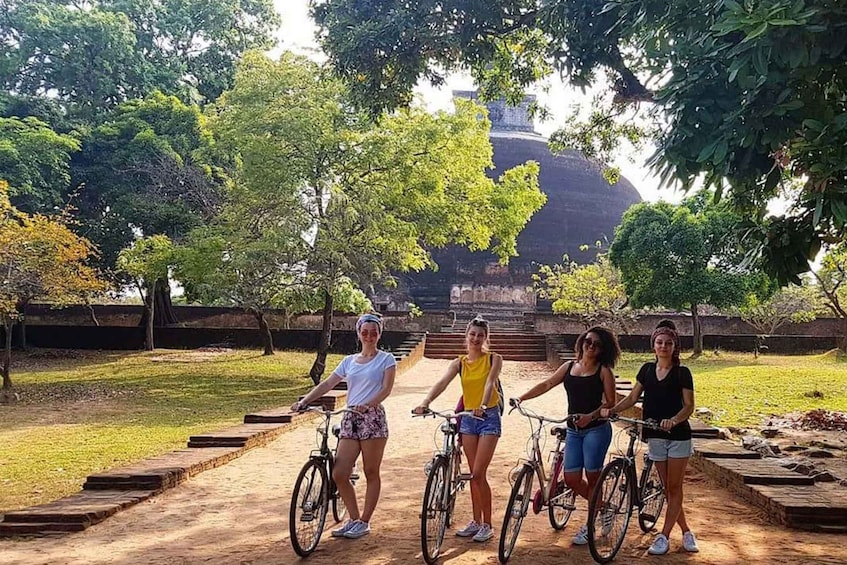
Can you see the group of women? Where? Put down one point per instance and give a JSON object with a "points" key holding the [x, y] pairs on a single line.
{"points": [[589, 384]]}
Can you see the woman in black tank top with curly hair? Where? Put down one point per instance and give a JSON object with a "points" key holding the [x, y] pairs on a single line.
{"points": [[590, 386]]}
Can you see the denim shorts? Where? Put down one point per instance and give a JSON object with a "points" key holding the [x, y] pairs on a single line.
{"points": [[663, 449], [370, 424], [488, 426], [586, 448]]}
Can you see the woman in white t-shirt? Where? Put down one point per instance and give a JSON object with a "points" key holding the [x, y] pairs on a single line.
{"points": [[370, 378]]}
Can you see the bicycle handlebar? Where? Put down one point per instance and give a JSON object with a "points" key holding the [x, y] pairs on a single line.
{"points": [[652, 424], [326, 412], [450, 415], [516, 405]]}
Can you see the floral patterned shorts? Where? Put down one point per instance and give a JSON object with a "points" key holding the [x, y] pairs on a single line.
{"points": [[370, 424]]}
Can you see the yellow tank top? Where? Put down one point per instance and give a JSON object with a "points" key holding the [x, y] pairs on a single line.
{"points": [[473, 375]]}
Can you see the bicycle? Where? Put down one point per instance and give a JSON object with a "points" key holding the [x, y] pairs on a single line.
{"points": [[617, 493], [552, 493], [315, 489], [444, 480]]}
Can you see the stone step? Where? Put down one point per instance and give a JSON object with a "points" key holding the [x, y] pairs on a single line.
{"points": [[755, 471], [506, 357], [11, 529], [501, 350], [242, 435], [722, 449]]}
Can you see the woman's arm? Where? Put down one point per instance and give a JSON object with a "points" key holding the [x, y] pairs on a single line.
{"points": [[317, 392], [684, 414], [491, 381], [387, 385], [627, 402], [438, 388], [553, 380]]}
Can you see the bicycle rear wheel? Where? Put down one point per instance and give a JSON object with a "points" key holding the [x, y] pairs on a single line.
{"points": [[515, 512], [435, 511], [309, 505], [652, 496], [562, 499], [609, 511]]}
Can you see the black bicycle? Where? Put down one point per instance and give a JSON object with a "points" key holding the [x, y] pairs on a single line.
{"points": [[444, 481], [315, 489], [617, 493], [552, 492]]}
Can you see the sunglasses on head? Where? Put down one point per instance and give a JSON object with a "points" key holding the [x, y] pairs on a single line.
{"points": [[480, 323]]}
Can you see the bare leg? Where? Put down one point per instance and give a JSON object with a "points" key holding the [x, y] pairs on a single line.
{"points": [[372, 451], [484, 453], [470, 444], [345, 458], [672, 473], [577, 483]]}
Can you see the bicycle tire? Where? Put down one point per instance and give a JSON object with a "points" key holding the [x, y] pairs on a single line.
{"points": [[516, 511], [651, 493], [562, 498], [309, 506], [609, 511], [434, 510]]}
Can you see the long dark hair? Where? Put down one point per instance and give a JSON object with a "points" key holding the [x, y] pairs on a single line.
{"points": [[610, 351]]}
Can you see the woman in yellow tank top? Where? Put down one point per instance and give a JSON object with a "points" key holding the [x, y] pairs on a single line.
{"points": [[479, 372]]}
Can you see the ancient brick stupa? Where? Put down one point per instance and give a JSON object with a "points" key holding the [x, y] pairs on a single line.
{"points": [[582, 208]]}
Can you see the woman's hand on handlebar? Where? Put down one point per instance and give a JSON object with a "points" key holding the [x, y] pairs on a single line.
{"points": [[297, 407], [606, 413], [584, 420], [419, 410]]}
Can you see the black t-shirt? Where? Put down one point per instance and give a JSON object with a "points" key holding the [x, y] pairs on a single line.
{"points": [[585, 394], [663, 399]]}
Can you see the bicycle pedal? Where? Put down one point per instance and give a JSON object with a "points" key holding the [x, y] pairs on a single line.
{"points": [[307, 517], [465, 476]]}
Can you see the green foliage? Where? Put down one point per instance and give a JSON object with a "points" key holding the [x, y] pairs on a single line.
{"points": [[832, 280], [792, 303], [147, 260], [95, 55], [592, 293], [746, 95], [669, 256], [151, 168], [35, 161]]}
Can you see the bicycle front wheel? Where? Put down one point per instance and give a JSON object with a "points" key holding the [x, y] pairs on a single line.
{"points": [[435, 511], [515, 512], [562, 499], [609, 511], [309, 505], [652, 497]]}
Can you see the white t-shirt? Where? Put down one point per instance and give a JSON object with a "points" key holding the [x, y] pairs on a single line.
{"points": [[364, 380]]}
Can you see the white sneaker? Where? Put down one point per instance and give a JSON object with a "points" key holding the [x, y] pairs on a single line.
{"points": [[339, 532], [357, 530], [485, 533], [689, 542], [608, 520], [660, 545], [470, 530], [581, 537]]}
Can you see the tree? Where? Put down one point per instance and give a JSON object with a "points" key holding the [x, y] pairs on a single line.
{"points": [[745, 94], [592, 293], [368, 199], [788, 304], [40, 259], [671, 256], [96, 55], [147, 261], [35, 160], [832, 283], [151, 168]]}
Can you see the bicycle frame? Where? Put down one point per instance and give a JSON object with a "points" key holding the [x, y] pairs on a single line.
{"points": [[536, 459]]}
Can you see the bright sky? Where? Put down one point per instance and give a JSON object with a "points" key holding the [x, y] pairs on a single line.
{"points": [[297, 34]]}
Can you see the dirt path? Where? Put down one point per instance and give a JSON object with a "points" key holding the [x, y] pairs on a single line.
{"points": [[236, 513]]}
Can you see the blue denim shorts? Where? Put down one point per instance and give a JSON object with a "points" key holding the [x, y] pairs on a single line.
{"points": [[488, 426], [586, 448], [661, 449]]}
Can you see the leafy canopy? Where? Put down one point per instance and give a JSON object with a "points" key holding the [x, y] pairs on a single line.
{"points": [[743, 94]]}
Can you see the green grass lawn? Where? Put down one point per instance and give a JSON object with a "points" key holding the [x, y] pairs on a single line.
{"points": [[743, 391], [82, 416]]}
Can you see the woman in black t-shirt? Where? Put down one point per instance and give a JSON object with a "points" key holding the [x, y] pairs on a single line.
{"points": [[589, 385], [669, 399]]}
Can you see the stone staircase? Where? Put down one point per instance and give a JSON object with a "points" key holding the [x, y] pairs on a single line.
{"points": [[512, 346]]}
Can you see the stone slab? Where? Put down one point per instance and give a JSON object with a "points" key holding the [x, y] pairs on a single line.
{"points": [[762, 472], [722, 449]]}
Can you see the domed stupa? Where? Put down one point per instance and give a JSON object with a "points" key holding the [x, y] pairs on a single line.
{"points": [[582, 208]]}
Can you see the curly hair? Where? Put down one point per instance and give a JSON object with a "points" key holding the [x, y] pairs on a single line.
{"points": [[610, 351]]}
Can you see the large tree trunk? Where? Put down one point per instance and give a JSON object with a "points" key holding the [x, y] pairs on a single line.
{"points": [[319, 365], [163, 312], [698, 330], [7, 356], [265, 331], [150, 313]]}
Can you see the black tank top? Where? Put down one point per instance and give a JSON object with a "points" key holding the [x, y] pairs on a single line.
{"points": [[585, 394]]}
